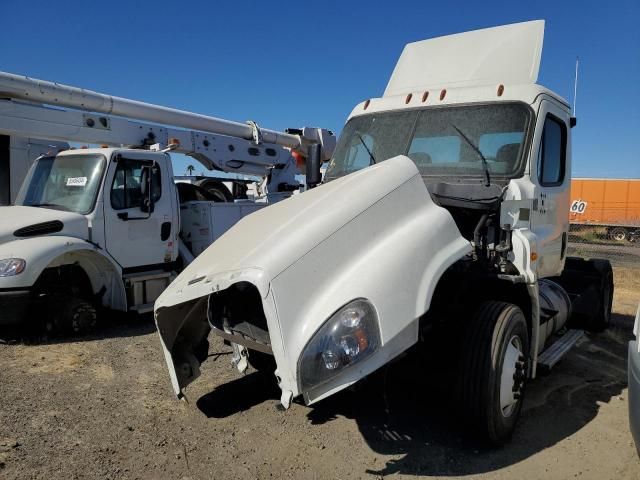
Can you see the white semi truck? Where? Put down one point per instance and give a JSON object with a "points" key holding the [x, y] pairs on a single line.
{"points": [[109, 227], [442, 215]]}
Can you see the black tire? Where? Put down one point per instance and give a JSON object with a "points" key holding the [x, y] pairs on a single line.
{"points": [[602, 317], [72, 315], [487, 338], [262, 362], [618, 234], [218, 189]]}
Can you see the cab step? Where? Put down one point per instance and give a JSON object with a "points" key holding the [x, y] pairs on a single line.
{"points": [[558, 349]]}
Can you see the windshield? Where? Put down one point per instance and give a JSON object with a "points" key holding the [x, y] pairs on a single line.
{"points": [[434, 138], [65, 182]]}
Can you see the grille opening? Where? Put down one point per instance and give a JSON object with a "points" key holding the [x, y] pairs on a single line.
{"points": [[238, 311]]}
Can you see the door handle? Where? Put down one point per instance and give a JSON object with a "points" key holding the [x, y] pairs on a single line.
{"points": [[165, 231]]}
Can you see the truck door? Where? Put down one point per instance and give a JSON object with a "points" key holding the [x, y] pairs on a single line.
{"points": [[551, 172], [139, 237]]}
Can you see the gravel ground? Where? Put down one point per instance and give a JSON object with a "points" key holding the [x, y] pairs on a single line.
{"points": [[102, 407]]}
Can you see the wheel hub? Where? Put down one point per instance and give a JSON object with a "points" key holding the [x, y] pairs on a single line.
{"points": [[513, 376]]}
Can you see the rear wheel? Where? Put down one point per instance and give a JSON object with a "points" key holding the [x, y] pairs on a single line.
{"points": [[494, 370], [604, 288]]}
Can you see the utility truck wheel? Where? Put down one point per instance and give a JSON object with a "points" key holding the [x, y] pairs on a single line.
{"points": [[494, 370], [74, 315], [218, 189]]}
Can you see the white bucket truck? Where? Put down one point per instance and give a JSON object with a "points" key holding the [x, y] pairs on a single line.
{"points": [[109, 227]]}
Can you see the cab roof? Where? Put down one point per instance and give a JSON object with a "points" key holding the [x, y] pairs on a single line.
{"points": [[498, 64], [508, 54]]}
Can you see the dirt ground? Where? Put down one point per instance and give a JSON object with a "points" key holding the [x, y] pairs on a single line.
{"points": [[102, 407]]}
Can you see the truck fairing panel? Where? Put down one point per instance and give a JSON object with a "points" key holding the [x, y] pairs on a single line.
{"points": [[375, 234], [509, 54]]}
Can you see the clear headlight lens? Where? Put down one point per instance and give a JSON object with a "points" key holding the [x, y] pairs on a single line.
{"points": [[348, 337], [11, 266]]}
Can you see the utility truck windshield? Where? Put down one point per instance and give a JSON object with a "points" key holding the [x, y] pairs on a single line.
{"points": [[65, 182], [457, 141]]}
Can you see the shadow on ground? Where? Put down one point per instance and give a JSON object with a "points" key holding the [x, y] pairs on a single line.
{"points": [[239, 395], [404, 409], [399, 414], [111, 324]]}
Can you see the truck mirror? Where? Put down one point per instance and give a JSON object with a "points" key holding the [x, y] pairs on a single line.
{"points": [[314, 160], [146, 197]]}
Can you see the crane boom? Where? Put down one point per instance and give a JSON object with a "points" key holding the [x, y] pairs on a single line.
{"points": [[41, 109], [34, 90]]}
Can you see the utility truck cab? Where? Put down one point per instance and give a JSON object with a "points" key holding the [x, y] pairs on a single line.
{"points": [[443, 215], [108, 226], [84, 221]]}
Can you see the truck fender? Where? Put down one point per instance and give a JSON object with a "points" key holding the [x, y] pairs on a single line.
{"points": [[53, 251]]}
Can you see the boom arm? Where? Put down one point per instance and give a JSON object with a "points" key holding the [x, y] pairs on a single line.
{"points": [[216, 143]]}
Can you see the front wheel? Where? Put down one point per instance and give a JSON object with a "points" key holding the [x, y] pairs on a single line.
{"points": [[494, 370], [71, 314]]}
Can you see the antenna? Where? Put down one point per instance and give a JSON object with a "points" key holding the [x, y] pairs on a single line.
{"points": [[575, 88]]}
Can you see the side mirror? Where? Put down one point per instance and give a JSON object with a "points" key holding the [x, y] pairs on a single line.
{"points": [[314, 161], [146, 197]]}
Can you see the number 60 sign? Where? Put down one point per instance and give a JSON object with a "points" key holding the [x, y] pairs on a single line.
{"points": [[578, 206]]}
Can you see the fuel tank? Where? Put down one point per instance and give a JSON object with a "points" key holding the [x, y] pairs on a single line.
{"points": [[555, 310]]}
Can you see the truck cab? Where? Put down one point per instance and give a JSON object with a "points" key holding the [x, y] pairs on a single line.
{"points": [[89, 227], [443, 214]]}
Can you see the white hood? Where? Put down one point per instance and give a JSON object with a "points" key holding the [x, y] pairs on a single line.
{"points": [[374, 234], [275, 237], [17, 217]]}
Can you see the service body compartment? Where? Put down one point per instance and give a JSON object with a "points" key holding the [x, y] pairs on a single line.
{"points": [[202, 223]]}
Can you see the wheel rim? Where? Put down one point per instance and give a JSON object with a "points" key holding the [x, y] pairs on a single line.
{"points": [[512, 378], [618, 234]]}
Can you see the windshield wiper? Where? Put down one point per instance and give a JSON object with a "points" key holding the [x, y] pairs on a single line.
{"points": [[55, 205], [485, 164], [373, 159]]}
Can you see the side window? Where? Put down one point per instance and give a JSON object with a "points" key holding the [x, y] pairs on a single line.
{"points": [[552, 154], [126, 187]]}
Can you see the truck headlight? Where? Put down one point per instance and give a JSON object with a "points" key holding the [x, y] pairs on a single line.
{"points": [[11, 266], [350, 336]]}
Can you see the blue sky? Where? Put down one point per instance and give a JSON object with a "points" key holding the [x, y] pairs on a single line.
{"points": [[288, 64]]}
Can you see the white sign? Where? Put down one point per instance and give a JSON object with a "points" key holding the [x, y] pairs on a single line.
{"points": [[578, 206], [76, 181]]}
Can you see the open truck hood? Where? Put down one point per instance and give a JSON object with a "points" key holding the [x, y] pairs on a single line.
{"points": [[374, 234]]}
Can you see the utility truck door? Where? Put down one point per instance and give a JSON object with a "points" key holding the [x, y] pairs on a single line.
{"points": [[139, 201], [551, 172]]}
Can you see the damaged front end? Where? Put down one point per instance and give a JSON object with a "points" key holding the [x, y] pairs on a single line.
{"points": [[328, 284]]}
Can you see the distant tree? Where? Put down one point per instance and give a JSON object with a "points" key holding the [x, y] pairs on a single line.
{"points": [[190, 169]]}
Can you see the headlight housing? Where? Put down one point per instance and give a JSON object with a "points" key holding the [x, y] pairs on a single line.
{"points": [[349, 336], [11, 266]]}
